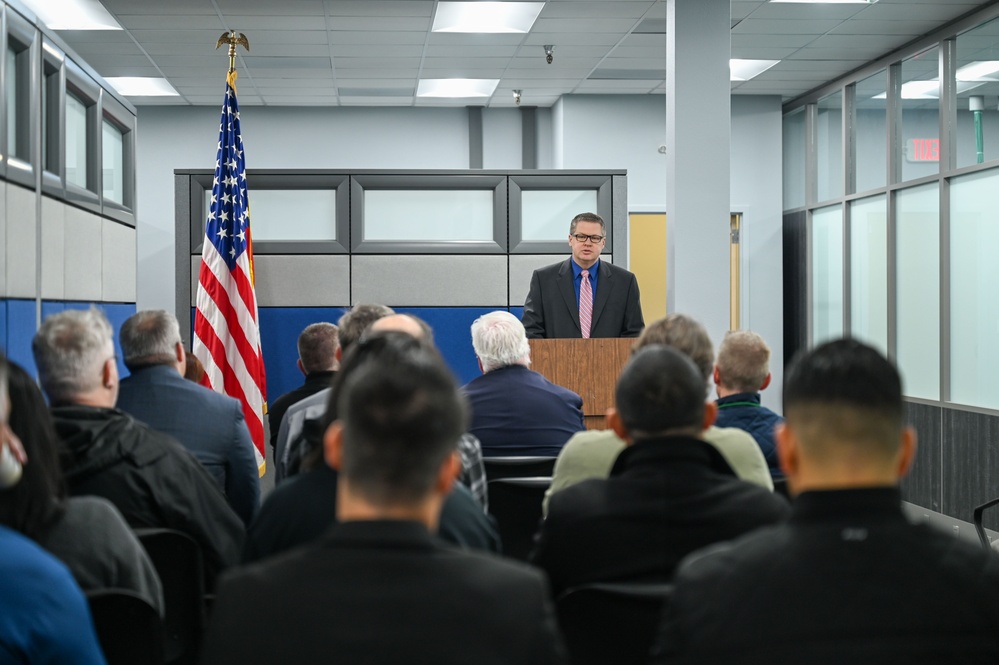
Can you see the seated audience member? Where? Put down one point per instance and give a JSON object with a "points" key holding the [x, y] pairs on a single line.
{"points": [[515, 410], [847, 579], [668, 494], [379, 588], [741, 373], [350, 327], [193, 369], [304, 508], [317, 360], [44, 617], [87, 533], [149, 477], [591, 454], [211, 426]]}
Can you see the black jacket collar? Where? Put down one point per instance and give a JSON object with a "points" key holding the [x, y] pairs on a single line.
{"points": [[875, 504], [671, 451], [390, 534]]}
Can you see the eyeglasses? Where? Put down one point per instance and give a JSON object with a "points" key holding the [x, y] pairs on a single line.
{"points": [[582, 237]]}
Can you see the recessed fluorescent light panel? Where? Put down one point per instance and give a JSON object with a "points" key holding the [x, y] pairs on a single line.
{"points": [[830, 2], [743, 70], [497, 17], [979, 71], [141, 86], [456, 87], [73, 14], [931, 89]]}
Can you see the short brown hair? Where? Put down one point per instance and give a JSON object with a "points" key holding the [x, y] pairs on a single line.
{"points": [[317, 347], [685, 334], [587, 217], [356, 321], [743, 361]]}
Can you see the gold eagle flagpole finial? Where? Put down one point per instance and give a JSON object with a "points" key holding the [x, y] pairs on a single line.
{"points": [[232, 38]]}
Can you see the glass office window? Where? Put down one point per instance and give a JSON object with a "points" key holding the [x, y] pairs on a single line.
{"points": [[76, 141], [290, 214], [428, 215], [974, 274], [976, 136], [920, 140], [829, 147], [794, 159], [871, 132], [869, 271], [917, 289], [11, 92], [113, 149], [547, 213], [827, 273]]}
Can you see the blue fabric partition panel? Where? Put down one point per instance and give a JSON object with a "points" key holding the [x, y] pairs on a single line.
{"points": [[518, 312], [453, 335], [20, 331], [279, 331], [116, 313]]}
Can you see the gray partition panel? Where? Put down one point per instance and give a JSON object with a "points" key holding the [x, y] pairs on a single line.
{"points": [[20, 242], [118, 257], [3, 236], [922, 484], [969, 453], [522, 266], [302, 281], [430, 281], [619, 219], [83, 255], [53, 249]]}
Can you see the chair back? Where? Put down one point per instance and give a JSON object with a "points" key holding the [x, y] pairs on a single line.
{"points": [[128, 627], [515, 503], [177, 558], [979, 513], [518, 467], [611, 623]]}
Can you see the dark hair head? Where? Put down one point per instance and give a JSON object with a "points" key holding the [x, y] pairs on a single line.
{"points": [[353, 324], [402, 416], [660, 391], [317, 346], [34, 503], [845, 392], [587, 217]]}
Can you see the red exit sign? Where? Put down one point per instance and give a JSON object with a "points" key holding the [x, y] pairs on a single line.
{"points": [[922, 150]]}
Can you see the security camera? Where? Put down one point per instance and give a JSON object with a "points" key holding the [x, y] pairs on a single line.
{"points": [[516, 97], [549, 53]]}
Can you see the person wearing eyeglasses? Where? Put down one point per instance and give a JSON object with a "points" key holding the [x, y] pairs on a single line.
{"points": [[583, 296]]}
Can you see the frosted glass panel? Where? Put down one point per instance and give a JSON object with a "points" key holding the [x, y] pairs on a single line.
{"points": [[827, 273], [829, 147], [974, 328], [869, 271], [794, 159], [113, 167], [76, 141], [428, 215], [291, 214], [547, 213], [918, 290]]}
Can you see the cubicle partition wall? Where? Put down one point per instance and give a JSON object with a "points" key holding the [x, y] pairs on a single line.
{"points": [[447, 246], [67, 196]]}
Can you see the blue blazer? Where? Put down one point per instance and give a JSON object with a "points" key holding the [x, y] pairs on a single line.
{"points": [[516, 411], [208, 424]]}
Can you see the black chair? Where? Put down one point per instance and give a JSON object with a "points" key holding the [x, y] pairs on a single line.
{"points": [[984, 537], [177, 558], [518, 467], [128, 627], [516, 505], [611, 624]]}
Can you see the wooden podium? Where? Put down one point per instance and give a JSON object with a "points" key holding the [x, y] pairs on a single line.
{"points": [[589, 367]]}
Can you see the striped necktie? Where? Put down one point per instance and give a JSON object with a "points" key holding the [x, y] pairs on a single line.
{"points": [[585, 304]]}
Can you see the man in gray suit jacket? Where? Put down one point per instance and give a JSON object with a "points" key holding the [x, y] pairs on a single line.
{"points": [[609, 293], [209, 425]]}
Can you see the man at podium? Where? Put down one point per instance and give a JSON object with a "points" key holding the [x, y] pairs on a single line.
{"points": [[583, 296]]}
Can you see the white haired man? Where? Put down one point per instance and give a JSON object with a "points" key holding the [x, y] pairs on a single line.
{"points": [[516, 411]]}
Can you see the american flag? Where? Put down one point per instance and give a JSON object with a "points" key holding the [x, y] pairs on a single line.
{"points": [[226, 332]]}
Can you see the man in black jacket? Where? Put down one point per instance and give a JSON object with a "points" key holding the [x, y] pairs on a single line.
{"points": [[150, 477], [669, 493], [848, 579], [378, 587]]}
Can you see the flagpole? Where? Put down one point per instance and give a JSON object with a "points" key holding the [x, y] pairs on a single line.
{"points": [[232, 38]]}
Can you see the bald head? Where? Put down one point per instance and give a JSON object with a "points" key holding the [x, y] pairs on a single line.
{"points": [[404, 323]]}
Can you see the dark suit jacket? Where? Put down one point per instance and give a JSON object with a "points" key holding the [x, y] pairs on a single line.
{"points": [[846, 580], [551, 310], [208, 424], [382, 592], [664, 499], [516, 411]]}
